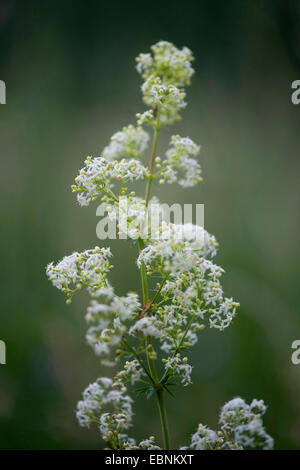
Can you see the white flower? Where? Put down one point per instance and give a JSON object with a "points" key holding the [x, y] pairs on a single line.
{"points": [[87, 269], [132, 371], [105, 393], [190, 295], [96, 177], [148, 326], [181, 159], [144, 61], [149, 444], [179, 367], [129, 213], [165, 73], [146, 444], [168, 63], [244, 423], [178, 248], [241, 428], [108, 320], [204, 439], [146, 117], [106, 382], [167, 98], [134, 219], [129, 142], [258, 407]]}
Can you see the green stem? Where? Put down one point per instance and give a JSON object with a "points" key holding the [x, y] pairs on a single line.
{"points": [[159, 391], [160, 394], [111, 194], [150, 361], [144, 275], [153, 155], [159, 289]]}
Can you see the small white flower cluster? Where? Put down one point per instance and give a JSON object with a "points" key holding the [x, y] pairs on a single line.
{"points": [[196, 294], [99, 396], [130, 142], [108, 319], [191, 293], [178, 249], [167, 98], [148, 326], [168, 62], [181, 158], [96, 177], [178, 366], [132, 372], [243, 423], [134, 219], [241, 427], [111, 394], [129, 213], [146, 444], [146, 117], [205, 439], [87, 269], [165, 73]]}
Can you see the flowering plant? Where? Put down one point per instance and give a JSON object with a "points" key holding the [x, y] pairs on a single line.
{"points": [[147, 338]]}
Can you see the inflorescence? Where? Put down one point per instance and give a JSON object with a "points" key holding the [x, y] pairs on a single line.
{"points": [[136, 334]]}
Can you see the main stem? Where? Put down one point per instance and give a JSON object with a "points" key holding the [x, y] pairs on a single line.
{"points": [[153, 155], [159, 391]]}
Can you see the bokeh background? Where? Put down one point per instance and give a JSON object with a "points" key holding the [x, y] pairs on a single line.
{"points": [[71, 83]]}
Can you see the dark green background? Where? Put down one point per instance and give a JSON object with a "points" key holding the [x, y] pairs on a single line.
{"points": [[71, 83]]}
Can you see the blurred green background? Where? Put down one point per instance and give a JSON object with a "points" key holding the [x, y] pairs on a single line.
{"points": [[71, 83]]}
